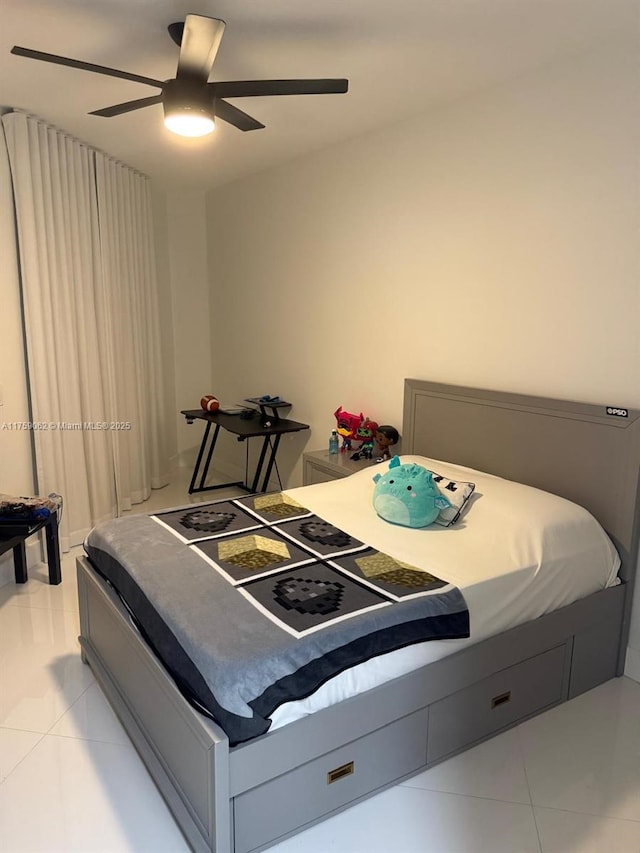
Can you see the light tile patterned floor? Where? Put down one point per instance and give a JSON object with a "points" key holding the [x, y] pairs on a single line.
{"points": [[567, 781]]}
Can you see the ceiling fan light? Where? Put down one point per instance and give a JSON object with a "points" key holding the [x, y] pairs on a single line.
{"points": [[189, 121]]}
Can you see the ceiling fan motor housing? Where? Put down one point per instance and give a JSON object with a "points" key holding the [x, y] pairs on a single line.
{"points": [[188, 104], [187, 93]]}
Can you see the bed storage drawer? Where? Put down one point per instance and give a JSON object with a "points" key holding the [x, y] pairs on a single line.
{"points": [[301, 796], [496, 702]]}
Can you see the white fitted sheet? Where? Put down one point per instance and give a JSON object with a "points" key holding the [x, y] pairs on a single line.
{"points": [[516, 553]]}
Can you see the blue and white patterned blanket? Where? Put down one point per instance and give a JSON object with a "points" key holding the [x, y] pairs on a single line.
{"points": [[254, 602]]}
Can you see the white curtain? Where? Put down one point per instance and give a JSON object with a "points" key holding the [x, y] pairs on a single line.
{"points": [[91, 325], [130, 336]]}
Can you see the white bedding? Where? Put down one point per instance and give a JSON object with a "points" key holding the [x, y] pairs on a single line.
{"points": [[516, 553]]}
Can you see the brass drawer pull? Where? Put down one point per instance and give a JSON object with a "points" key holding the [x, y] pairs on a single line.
{"points": [[340, 772], [502, 699]]}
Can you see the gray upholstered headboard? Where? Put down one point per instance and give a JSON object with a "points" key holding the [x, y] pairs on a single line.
{"points": [[576, 450]]}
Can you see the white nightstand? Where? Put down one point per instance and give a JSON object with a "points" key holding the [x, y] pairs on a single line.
{"points": [[320, 466]]}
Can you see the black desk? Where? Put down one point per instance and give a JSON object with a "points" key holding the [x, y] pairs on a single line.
{"points": [[243, 429], [14, 535]]}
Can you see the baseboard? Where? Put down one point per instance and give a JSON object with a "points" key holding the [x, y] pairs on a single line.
{"points": [[222, 468], [226, 469], [187, 458], [632, 664]]}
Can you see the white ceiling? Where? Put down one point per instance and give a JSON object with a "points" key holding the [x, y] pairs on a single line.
{"points": [[401, 58]]}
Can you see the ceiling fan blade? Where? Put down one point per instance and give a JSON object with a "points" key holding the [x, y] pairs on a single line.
{"points": [[201, 39], [236, 117], [256, 88], [127, 107], [84, 66]]}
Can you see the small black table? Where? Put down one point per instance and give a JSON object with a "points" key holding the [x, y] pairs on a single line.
{"points": [[243, 429], [13, 535]]}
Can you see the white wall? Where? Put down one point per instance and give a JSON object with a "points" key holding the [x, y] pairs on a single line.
{"points": [[186, 256], [15, 445], [493, 243], [160, 225], [16, 471]]}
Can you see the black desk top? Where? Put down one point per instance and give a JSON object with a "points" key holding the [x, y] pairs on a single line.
{"points": [[13, 532], [245, 428]]}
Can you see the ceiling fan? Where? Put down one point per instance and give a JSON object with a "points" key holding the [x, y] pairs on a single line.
{"points": [[190, 102]]}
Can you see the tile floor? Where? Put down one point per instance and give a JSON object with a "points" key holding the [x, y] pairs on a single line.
{"points": [[567, 781]]}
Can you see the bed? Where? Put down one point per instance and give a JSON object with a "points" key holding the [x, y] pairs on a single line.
{"points": [[363, 730]]}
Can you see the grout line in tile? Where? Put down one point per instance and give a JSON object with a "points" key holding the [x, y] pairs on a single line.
{"points": [[587, 814], [27, 754], [406, 784], [21, 731], [63, 736], [43, 607], [526, 778], [117, 745], [66, 710]]}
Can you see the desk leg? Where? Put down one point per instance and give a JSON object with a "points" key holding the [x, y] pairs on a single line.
{"points": [[203, 444], [53, 549], [263, 453], [20, 562], [205, 470], [272, 459]]}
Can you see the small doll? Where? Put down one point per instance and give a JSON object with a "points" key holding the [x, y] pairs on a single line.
{"points": [[366, 434], [386, 436]]}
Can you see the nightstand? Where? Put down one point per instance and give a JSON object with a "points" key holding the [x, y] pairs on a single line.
{"points": [[320, 466]]}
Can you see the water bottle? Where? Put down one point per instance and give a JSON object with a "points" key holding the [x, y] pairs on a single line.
{"points": [[333, 442]]}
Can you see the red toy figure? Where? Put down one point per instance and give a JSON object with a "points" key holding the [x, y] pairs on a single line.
{"points": [[366, 434], [348, 424], [386, 437]]}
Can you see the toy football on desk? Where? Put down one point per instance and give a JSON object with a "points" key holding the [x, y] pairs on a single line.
{"points": [[209, 403]]}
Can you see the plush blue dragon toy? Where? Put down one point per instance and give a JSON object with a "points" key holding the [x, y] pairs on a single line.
{"points": [[407, 495]]}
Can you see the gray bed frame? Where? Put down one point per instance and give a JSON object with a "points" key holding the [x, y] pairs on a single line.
{"points": [[245, 798]]}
